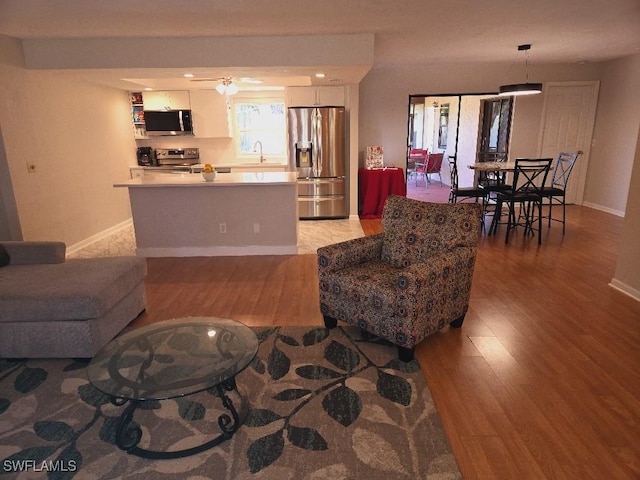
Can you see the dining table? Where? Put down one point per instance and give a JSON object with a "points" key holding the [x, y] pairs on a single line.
{"points": [[498, 169], [493, 166]]}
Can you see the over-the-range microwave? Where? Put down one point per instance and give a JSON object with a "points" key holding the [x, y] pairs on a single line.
{"points": [[169, 122]]}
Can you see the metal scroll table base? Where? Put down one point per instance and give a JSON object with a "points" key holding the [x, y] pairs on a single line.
{"points": [[129, 433]]}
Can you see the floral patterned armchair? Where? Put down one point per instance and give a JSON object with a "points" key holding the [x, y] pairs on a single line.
{"points": [[409, 281]]}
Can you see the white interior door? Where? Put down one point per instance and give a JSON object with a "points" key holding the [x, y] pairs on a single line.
{"points": [[568, 116]]}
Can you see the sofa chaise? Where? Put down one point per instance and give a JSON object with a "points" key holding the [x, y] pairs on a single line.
{"points": [[51, 307]]}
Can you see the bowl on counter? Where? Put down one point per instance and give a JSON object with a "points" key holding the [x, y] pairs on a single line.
{"points": [[209, 176]]}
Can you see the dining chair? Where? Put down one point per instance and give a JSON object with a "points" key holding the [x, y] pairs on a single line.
{"points": [[418, 159], [434, 165], [529, 178], [556, 192], [460, 194]]}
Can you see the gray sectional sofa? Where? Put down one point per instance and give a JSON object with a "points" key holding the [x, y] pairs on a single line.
{"points": [[51, 307]]}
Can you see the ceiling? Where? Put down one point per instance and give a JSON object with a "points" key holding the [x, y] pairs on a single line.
{"points": [[406, 32]]}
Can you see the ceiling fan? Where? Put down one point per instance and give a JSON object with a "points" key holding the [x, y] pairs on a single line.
{"points": [[228, 85]]}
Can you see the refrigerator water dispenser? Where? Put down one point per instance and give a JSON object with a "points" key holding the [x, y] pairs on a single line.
{"points": [[304, 155]]}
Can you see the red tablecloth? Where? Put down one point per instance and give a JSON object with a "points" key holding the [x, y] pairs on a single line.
{"points": [[375, 186]]}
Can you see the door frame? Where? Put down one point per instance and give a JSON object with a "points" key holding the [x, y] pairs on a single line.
{"points": [[483, 152]]}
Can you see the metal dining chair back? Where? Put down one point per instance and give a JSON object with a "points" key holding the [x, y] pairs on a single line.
{"points": [[529, 178], [460, 194], [493, 181], [556, 192]]}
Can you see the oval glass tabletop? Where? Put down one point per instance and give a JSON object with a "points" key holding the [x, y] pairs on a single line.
{"points": [[173, 358]]}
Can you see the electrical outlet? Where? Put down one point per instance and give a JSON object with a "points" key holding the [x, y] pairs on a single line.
{"points": [[256, 227], [223, 227], [31, 167]]}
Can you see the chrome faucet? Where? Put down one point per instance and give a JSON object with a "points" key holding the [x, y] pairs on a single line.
{"points": [[258, 142]]}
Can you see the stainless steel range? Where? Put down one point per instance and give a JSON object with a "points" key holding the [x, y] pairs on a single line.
{"points": [[180, 159]]}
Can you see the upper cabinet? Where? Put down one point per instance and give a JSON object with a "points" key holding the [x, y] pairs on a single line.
{"points": [[210, 114], [210, 111], [167, 100], [137, 115], [315, 96]]}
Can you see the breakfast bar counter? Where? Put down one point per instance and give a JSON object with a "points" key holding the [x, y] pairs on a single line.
{"points": [[180, 215]]}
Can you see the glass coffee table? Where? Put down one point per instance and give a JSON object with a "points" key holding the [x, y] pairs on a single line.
{"points": [[171, 359]]}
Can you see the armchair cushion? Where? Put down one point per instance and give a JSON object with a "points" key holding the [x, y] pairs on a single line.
{"points": [[414, 230]]}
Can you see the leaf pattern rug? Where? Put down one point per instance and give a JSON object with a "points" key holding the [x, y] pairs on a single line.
{"points": [[321, 404]]}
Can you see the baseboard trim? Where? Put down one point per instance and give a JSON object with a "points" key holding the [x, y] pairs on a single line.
{"points": [[595, 206], [626, 289], [217, 251], [98, 236]]}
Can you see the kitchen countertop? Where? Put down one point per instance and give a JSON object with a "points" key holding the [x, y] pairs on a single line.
{"points": [[240, 165], [221, 180]]}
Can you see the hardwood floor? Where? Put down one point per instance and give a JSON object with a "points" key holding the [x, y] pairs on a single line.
{"points": [[541, 381]]}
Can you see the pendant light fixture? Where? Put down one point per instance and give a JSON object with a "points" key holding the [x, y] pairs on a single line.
{"points": [[226, 86], [522, 88]]}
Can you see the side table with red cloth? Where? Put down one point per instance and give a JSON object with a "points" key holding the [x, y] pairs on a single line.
{"points": [[375, 186]]}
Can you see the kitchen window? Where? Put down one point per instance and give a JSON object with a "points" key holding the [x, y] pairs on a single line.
{"points": [[263, 120]]}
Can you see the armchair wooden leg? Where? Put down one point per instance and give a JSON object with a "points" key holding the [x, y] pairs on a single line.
{"points": [[330, 322], [405, 354], [457, 323]]}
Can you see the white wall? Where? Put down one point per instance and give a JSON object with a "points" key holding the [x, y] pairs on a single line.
{"points": [[627, 275], [468, 139], [615, 131], [617, 134], [527, 115], [80, 140]]}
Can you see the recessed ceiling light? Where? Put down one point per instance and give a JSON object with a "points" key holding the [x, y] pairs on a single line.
{"points": [[320, 75], [148, 89], [188, 75]]}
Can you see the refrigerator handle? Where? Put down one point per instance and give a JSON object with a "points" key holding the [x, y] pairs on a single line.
{"points": [[315, 143]]}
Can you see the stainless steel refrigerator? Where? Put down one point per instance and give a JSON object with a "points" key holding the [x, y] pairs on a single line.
{"points": [[317, 152]]}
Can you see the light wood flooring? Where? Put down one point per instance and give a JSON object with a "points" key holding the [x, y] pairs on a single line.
{"points": [[542, 380]]}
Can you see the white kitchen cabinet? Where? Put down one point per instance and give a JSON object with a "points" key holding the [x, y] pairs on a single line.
{"points": [[258, 168], [315, 96], [170, 100], [210, 114]]}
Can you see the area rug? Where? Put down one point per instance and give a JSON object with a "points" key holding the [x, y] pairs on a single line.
{"points": [[322, 404]]}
